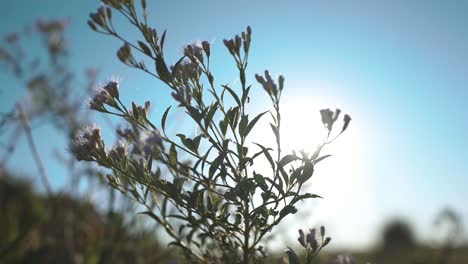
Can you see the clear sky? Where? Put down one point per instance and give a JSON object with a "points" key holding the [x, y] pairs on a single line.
{"points": [[399, 68]]}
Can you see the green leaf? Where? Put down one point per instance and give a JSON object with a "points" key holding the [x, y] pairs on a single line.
{"points": [[150, 162], [178, 184], [209, 203], [151, 214], [288, 209], [196, 141], [223, 124], [243, 126], [292, 257], [215, 165], [307, 196], [163, 120], [188, 142], [241, 150], [176, 66], [136, 113], [233, 94], [161, 69], [253, 122], [275, 131], [164, 206], [194, 113], [261, 182], [307, 172], [145, 48], [245, 94], [277, 186], [232, 116], [295, 175], [267, 155], [321, 158], [284, 175], [163, 39], [209, 115], [287, 159], [173, 156]]}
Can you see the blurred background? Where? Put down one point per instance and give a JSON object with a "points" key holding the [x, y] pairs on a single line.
{"points": [[397, 179]]}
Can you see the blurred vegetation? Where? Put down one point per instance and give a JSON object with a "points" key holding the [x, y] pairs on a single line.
{"points": [[399, 245], [35, 228]]}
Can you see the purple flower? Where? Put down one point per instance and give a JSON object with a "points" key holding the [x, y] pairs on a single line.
{"points": [[154, 140], [88, 144]]}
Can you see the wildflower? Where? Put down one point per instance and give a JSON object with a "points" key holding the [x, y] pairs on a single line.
{"points": [[113, 181], [195, 50], [112, 88], [327, 118], [118, 151], [183, 95], [268, 84], [206, 47], [230, 45], [188, 70], [301, 238], [125, 54], [104, 97], [100, 17], [310, 239], [128, 134], [88, 144], [152, 142]]}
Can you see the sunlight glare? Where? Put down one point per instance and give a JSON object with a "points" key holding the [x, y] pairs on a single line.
{"points": [[301, 127]]}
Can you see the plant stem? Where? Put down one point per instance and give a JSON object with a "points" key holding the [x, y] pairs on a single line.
{"points": [[32, 145], [246, 233]]}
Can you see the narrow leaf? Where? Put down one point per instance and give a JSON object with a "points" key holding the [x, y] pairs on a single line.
{"points": [[145, 48], [253, 122], [163, 120]]}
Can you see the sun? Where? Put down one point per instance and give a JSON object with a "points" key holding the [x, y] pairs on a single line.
{"points": [[301, 127]]}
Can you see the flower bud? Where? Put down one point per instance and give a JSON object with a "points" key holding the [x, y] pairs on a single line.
{"points": [[112, 88], [206, 47]]}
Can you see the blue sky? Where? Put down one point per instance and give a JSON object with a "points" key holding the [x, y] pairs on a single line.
{"points": [[399, 68]]}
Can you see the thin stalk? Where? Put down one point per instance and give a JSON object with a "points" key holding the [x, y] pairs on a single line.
{"points": [[32, 145]]}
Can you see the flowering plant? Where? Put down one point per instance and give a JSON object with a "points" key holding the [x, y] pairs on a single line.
{"points": [[213, 205]]}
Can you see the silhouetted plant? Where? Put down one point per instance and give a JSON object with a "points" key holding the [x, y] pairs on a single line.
{"points": [[216, 206], [311, 244], [50, 97]]}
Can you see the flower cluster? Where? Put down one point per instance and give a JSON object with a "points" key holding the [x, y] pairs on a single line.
{"points": [[269, 85], [310, 243], [105, 95], [194, 51], [88, 144], [309, 240], [329, 117], [187, 70], [141, 144], [234, 45], [118, 151]]}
